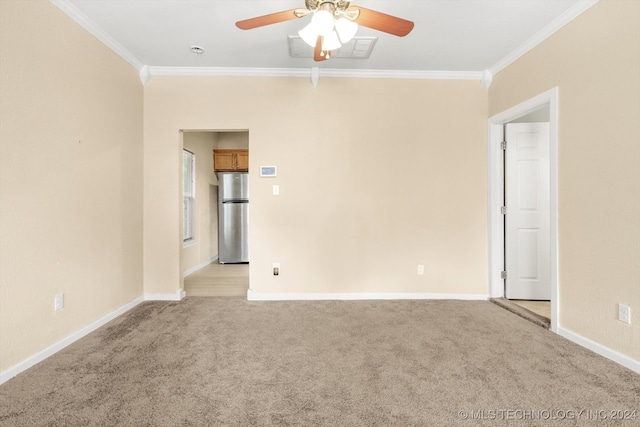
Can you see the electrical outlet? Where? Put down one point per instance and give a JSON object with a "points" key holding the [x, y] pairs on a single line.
{"points": [[58, 302], [624, 313], [420, 269], [276, 269]]}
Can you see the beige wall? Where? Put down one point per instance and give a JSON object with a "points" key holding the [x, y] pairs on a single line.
{"points": [[595, 62], [206, 221], [233, 139], [70, 178], [376, 177]]}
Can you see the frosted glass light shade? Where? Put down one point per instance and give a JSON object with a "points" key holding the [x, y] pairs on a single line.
{"points": [[331, 41], [346, 29], [309, 34], [323, 21]]}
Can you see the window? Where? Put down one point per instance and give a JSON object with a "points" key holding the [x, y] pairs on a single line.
{"points": [[188, 195]]}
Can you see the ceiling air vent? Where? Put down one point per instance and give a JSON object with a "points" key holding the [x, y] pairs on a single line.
{"points": [[357, 48]]}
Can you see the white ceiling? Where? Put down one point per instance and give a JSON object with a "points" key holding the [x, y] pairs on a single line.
{"points": [[449, 35]]}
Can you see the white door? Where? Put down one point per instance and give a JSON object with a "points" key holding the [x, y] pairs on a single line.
{"points": [[527, 218]]}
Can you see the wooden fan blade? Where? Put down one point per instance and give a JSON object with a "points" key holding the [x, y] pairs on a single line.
{"points": [[383, 22], [317, 52], [261, 21]]}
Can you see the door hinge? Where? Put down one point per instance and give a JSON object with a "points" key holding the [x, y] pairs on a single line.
{"points": [[503, 275], [503, 210], [503, 145]]}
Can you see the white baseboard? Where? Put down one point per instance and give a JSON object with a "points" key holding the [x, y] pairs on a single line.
{"points": [[199, 266], [177, 296], [56, 347], [617, 357], [253, 296]]}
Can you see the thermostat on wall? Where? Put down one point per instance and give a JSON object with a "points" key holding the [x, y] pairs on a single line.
{"points": [[268, 171]]}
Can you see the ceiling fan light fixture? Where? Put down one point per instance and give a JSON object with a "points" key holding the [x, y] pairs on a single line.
{"points": [[331, 42], [323, 21], [346, 29], [309, 34]]}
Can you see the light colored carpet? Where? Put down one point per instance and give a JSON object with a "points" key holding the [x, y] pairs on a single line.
{"points": [[230, 362]]}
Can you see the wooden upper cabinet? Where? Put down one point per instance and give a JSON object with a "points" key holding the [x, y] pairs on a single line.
{"points": [[243, 160], [231, 160], [223, 160]]}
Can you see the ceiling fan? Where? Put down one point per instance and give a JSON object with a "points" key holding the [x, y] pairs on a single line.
{"points": [[333, 22]]}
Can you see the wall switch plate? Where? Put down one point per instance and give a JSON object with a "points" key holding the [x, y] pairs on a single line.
{"points": [[276, 269], [58, 302], [420, 269], [276, 190], [624, 313]]}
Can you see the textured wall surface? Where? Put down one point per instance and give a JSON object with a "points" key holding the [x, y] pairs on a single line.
{"points": [[595, 63], [206, 221], [70, 179], [375, 176]]}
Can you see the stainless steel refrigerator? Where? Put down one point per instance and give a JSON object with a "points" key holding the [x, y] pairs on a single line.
{"points": [[233, 217]]}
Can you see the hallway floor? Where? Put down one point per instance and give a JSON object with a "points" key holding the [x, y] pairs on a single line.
{"points": [[218, 280], [543, 308]]}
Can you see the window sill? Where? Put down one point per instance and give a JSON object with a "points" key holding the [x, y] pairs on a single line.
{"points": [[189, 243]]}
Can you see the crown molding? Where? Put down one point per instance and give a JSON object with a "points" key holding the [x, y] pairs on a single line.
{"points": [[229, 71], [322, 72], [403, 74], [99, 33], [562, 20]]}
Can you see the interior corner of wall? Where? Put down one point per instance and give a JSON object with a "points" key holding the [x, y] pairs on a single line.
{"points": [[145, 75], [487, 78]]}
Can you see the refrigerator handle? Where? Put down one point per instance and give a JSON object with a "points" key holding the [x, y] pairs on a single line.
{"points": [[235, 201]]}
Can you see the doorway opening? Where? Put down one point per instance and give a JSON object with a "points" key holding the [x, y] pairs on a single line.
{"points": [[545, 107], [201, 271]]}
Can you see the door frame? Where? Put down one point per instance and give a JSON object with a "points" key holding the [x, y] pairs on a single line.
{"points": [[495, 163]]}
